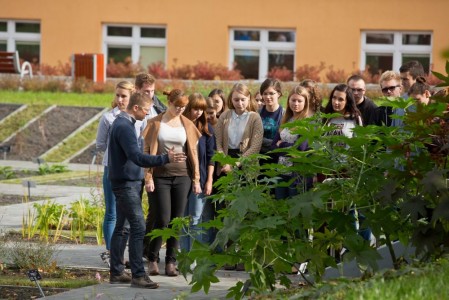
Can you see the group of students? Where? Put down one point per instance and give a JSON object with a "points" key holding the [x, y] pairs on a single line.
{"points": [[167, 151]]}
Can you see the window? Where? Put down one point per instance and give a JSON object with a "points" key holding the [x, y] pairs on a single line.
{"points": [[256, 51], [382, 51], [143, 44], [22, 36]]}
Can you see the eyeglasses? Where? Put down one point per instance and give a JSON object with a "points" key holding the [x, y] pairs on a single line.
{"points": [[389, 88], [357, 90], [180, 107]]}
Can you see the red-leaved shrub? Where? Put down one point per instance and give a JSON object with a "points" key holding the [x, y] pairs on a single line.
{"points": [[281, 73], [309, 72], [59, 70], [336, 76], [126, 69], [158, 70]]}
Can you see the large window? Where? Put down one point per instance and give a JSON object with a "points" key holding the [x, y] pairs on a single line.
{"points": [[22, 36], [256, 51], [143, 44], [384, 50]]}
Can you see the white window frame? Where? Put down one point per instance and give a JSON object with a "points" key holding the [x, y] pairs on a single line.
{"points": [[264, 46], [134, 41], [397, 49], [11, 36]]}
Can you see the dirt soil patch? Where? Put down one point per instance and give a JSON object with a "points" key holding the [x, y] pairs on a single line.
{"points": [[49, 130], [6, 109], [17, 199], [87, 156]]}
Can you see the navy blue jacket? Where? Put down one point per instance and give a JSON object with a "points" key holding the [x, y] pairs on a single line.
{"points": [[206, 149], [126, 159]]}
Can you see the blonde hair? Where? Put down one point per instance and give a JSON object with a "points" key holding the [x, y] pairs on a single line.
{"points": [[390, 75], [124, 85], [244, 90]]}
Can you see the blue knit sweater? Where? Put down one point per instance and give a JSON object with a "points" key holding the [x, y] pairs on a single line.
{"points": [[126, 159]]}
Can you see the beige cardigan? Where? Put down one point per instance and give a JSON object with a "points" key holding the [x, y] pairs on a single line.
{"points": [[252, 136], [150, 135]]}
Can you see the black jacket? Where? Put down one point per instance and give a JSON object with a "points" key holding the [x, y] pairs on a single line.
{"points": [[368, 110]]}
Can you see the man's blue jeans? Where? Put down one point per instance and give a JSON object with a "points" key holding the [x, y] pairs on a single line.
{"points": [[129, 207]]}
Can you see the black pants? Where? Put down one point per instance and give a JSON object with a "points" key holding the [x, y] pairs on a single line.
{"points": [[169, 201]]}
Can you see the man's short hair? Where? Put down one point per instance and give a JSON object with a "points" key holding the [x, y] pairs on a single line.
{"points": [[143, 78], [414, 68], [390, 75], [355, 77], [139, 99]]}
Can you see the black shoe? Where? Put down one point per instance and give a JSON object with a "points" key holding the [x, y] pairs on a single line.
{"points": [[120, 279], [144, 282]]}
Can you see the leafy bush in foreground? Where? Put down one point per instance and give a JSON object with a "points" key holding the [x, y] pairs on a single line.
{"points": [[395, 176]]}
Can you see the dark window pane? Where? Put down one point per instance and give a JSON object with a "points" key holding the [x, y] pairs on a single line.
{"points": [[424, 59], [3, 26], [281, 36], [2, 45], [378, 63], [152, 32], [120, 31], [247, 61], [28, 27], [281, 59], [380, 38], [416, 39], [118, 54], [246, 35], [29, 51]]}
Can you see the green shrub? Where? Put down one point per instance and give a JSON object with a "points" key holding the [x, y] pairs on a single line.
{"points": [[32, 255], [51, 169]]}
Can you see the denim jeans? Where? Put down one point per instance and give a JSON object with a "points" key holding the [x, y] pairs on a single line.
{"points": [[194, 209], [110, 214], [129, 207], [169, 200]]}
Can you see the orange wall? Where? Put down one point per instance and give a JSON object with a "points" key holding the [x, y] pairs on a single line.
{"points": [[197, 30]]}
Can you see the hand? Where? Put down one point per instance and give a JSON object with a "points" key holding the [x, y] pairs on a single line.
{"points": [[226, 169], [196, 188], [208, 188], [278, 143], [149, 186], [176, 157]]}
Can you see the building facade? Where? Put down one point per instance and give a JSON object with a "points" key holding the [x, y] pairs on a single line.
{"points": [[252, 35]]}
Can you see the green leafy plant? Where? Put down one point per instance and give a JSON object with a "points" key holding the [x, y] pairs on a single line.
{"points": [[51, 169], [396, 177], [7, 173], [49, 215]]}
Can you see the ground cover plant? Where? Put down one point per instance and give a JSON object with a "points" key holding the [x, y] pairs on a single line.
{"points": [[396, 177], [74, 144], [11, 125]]}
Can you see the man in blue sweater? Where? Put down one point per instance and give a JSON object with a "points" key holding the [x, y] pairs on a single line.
{"points": [[126, 161]]}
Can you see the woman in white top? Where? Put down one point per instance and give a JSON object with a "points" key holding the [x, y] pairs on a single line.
{"points": [[342, 101]]}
